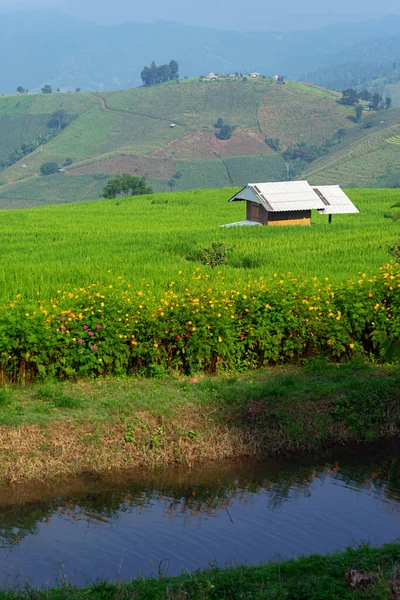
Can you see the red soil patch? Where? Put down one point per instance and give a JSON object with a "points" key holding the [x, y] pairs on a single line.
{"points": [[159, 168], [204, 145]]}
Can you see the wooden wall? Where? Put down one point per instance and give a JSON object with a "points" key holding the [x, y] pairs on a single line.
{"points": [[256, 212]]}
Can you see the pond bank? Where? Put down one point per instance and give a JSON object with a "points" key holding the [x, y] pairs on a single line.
{"points": [[57, 430], [308, 578]]}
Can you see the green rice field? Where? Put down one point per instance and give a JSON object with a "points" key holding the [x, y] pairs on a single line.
{"points": [[150, 238]]}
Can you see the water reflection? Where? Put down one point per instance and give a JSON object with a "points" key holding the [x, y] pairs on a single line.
{"points": [[253, 510]]}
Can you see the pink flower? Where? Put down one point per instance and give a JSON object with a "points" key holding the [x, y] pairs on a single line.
{"points": [[86, 327], [94, 347], [80, 341], [90, 333], [242, 336], [98, 326], [63, 328]]}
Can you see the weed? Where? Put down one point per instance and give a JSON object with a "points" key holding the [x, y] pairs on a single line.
{"points": [[5, 398]]}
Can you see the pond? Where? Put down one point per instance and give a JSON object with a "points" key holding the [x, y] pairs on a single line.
{"points": [[118, 527]]}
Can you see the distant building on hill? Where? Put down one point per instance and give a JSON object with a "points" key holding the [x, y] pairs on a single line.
{"points": [[290, 203], [210, 77]]}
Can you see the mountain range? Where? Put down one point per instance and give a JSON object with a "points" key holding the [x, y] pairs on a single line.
{"points": [[47, 47]]}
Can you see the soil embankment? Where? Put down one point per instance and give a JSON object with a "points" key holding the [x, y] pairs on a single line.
{"points": [[57, 430]]}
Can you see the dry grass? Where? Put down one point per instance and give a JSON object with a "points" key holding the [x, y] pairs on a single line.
{"points": [[100, 427]]}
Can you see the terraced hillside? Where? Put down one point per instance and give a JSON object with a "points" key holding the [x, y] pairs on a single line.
{"points": [[370, 157], [130, 131]]}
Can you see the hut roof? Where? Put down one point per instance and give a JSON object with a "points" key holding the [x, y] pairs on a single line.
{"points": [[281, 196], [336, 201]]}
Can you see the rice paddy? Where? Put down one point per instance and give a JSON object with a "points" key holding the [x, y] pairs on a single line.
{"points": [[150, 238]]}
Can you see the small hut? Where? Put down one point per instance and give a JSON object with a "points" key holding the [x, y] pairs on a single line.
{"points": [[290, 202]]}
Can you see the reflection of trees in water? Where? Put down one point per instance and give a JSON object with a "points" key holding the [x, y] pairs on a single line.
{"points": [[199, 498]]}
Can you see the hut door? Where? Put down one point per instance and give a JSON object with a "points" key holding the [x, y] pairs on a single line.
{"points": [[255, 212]]}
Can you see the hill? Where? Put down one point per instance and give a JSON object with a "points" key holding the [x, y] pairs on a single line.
{"points": [[130, 131], [369, 156], [97, 57]]}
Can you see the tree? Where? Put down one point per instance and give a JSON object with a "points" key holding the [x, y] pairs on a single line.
{"points": [[126, 185], [47, 89], [349, 97], [219, 123], [58, 120], [49, 168], [78, 90], [376, 101], [365, 95], [388, 102], [273, 143], [174, 70], [359, 112], [21, 90], [154, 74], [225, 133]]}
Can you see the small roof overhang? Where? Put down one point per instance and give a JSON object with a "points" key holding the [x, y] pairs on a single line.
{"points": [[335, 200]]}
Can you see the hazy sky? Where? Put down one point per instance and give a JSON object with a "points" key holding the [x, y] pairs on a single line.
{"points": [[221, 14]]}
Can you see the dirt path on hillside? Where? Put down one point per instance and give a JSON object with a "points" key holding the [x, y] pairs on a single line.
{"points": [[119, 111]]}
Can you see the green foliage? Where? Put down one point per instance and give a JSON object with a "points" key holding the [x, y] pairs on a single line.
{"points": [[215, 255], [273, 143], [49, 168], [366, 408], [154, 74], [5, 398], [349, 97], [47, 89], [225, 133], [126, 185], [200, 324], [359, 112]]}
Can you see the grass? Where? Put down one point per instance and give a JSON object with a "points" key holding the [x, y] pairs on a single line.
{"points": [[312, 577], [241, 170], [20, 129], [150, 238], [52, 189], [171, 420]]}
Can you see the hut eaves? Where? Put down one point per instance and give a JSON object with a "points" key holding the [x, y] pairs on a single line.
{"points": [[336, 201]]}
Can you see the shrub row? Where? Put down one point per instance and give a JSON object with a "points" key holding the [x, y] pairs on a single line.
{"points": [[197, 325]]}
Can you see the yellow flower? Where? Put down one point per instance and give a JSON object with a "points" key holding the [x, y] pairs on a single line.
{"points": [[220, 339], [351, 346], [156, 345]]}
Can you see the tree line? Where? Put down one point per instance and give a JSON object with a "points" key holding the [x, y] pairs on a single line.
{"points": [[351, 97], [154, 74]]}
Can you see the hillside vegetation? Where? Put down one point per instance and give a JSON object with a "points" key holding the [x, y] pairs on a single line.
{"points": [[167, 134], [130, 131], [369, 157]]}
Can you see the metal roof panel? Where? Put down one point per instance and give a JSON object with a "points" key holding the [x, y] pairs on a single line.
{"points": [[339, 202]]}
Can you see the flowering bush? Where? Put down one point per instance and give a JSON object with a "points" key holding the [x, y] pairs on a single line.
{"points": [[197, 326]]}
